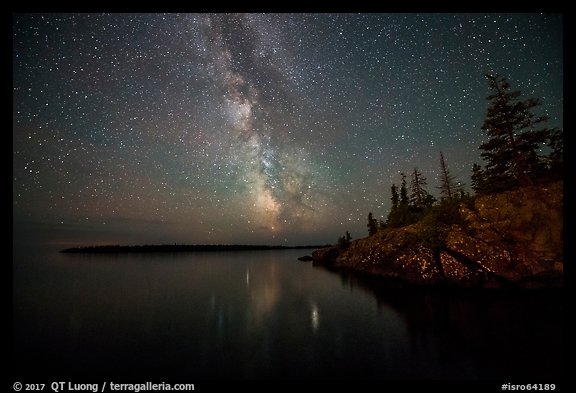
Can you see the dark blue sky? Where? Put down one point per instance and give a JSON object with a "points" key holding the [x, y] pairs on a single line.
{"points": [[264, 128]]}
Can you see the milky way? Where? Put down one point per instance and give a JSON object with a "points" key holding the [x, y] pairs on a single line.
{"points": [[274, 173], [252, 128]]}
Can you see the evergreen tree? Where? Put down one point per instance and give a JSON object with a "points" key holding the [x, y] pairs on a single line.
{"points": [[382, 224], [555, 162], [402, 213], [419, 197], [344, 241], [403, 191], [514, 138], [395, 198], [478, 182], [372, 225], [449, 187]]}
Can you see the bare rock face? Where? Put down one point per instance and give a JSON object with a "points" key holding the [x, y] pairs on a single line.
{"points": [[395, 254], [512, 239], [517, 234]]}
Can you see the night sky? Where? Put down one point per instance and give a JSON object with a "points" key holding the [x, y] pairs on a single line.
{"points": [[264, 128]]}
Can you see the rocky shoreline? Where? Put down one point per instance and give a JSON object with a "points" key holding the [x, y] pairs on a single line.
{"points": [[509, 240]]}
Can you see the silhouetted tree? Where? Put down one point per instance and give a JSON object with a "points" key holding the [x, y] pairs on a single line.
{"points": [[419, 197], [401, 213], [403, 190], [555, 161], [395, 198], [478, 181], [372, 225], [449, 187], [382, 224], [344, 241], [511, 152]]}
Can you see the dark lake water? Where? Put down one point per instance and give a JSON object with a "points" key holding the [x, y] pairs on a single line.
{"points": [[263, 314]]}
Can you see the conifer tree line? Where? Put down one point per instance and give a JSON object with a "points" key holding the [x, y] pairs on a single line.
{"points": [[519, 151]]}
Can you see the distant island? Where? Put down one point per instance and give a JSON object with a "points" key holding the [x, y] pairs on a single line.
{"points": [[151, 248]]}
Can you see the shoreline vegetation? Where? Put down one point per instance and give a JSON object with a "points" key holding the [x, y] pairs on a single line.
{"points": [[162, 248]]}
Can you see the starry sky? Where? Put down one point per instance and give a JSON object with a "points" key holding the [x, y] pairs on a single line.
{"points": [[252, 128]]}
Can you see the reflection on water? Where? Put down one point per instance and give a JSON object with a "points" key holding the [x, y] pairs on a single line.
{"points": [[264, 315], [264, 292], [314, 317], [475, 334]]}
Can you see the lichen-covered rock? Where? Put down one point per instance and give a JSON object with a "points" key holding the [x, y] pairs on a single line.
{"points": [[509, 239], [530, 217], [515, 234], [489, 252], [456, 273], [393, 254]]}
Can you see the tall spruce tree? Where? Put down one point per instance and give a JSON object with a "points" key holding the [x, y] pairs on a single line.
{"points": [[478, 182], [515, 136], [394, 198], [419, 197], [403, 190], [449, 187]]}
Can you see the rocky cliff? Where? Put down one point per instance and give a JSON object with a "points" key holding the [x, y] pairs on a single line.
{"points": [[512, 239]]}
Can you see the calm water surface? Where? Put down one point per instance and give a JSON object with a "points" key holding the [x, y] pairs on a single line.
{"points": [[263, 314]]}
